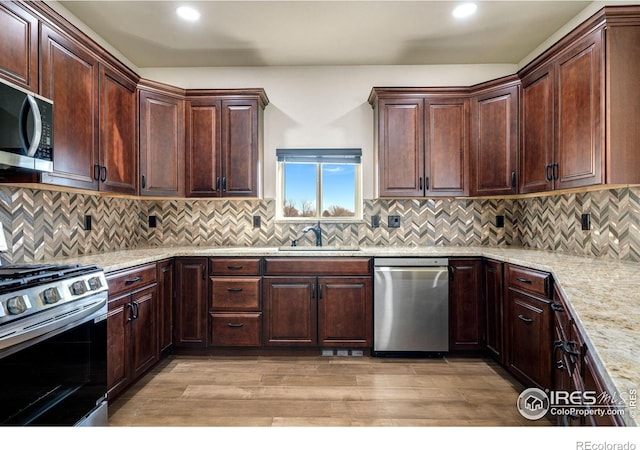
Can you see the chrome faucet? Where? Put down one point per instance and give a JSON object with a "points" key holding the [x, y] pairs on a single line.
{"points": [[317, 231]]}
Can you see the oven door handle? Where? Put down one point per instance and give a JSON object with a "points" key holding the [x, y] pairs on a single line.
{"points": [[35, 330]]}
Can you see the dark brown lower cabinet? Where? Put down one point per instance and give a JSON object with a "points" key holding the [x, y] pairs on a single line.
{"points": [[290, 311], [493, 297], [466, 318], [132, 327], [238, 329], [190, 324], [318, 311], [530, 339], [344, 311], [166, 289], [132, 346], [575, 370]]}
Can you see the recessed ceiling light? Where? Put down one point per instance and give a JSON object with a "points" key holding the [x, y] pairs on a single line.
{"points": [[188, 13], [464, 10]]}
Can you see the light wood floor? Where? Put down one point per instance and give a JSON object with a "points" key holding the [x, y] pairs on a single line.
{"points": [[321, 391]]}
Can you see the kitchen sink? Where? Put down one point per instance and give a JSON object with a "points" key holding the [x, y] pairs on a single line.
{"points": [[328, 248]]}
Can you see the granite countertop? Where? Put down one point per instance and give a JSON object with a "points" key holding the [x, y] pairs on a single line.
{"points": [[603, 294]]}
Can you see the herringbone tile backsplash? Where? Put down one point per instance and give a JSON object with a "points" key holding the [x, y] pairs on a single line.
{"points": [[42, 224]]}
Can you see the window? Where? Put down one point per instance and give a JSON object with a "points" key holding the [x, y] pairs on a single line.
{"points": [[319, 184]]}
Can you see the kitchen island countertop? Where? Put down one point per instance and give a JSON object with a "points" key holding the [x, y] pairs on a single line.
{"points": [[603, 294]]}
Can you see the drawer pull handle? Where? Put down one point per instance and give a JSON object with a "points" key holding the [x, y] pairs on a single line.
{"points": [[567, 350], [132, 280], [523, 280], [524, 319], [235, 267], [557, 307], [234, 289], [235, 325]]}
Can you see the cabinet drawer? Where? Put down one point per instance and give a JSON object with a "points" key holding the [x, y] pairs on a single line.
{"points": [[235, 266], [317, 266], [530, 280], [235, 293], [236, 329], [131, 279]]}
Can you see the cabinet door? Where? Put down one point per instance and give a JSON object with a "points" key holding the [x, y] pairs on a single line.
{"points": [[536, 148], [203, 149], [118, 335], [447, 149], [118, 133], [69, 77], [290, 311], [494, 142], [344, 311], [18, 46], [493, 293], [530, 343], [161, 145], [191, 302], [579, 137], [401, 147], [165, 305], [240, 148], [466, 320], [145, 330]]}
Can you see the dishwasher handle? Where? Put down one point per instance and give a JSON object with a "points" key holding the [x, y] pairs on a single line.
{"points": [[410, 269]]}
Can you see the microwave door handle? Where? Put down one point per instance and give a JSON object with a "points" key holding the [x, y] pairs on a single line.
{"points": [[37, 125]]}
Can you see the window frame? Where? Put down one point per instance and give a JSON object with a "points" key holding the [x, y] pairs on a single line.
{"points": [[280, 191]]}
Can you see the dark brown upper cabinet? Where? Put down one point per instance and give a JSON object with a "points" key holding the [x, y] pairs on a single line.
{"points": [[562, 131], [18, 46], [578, 124], [494, 138], [95, 117], [224, 143], [161, 141], [70, 76], [422, 142], [118, 171]]}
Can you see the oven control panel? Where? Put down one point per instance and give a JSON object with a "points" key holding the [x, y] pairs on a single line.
{"points": [[31, 300]]}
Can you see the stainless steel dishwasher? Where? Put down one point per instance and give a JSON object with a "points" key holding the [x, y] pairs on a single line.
{"points": [[411, 306]]}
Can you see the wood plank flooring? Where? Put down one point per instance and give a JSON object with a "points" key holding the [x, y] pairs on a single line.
{"points": [[321, 391]]}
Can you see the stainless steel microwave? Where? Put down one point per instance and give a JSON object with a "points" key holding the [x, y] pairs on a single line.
{"points": [[26, 129]]}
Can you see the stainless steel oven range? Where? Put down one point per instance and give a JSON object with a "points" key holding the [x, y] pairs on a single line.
{"points": [[53, 345]]}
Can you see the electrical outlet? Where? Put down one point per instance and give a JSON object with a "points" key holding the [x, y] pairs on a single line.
{"points": [[87, 222], [153, 221], [500, 221], [375, 221], [394, 221], [256, 221], [585, 221]]}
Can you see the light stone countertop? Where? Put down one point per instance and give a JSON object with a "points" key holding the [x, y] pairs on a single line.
{"points": [[603, 294]]}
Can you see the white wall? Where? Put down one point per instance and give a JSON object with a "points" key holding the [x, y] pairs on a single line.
{"points": [[324, 106]]}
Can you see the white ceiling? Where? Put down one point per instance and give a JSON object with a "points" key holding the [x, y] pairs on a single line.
{"points": [[307, 32]]}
